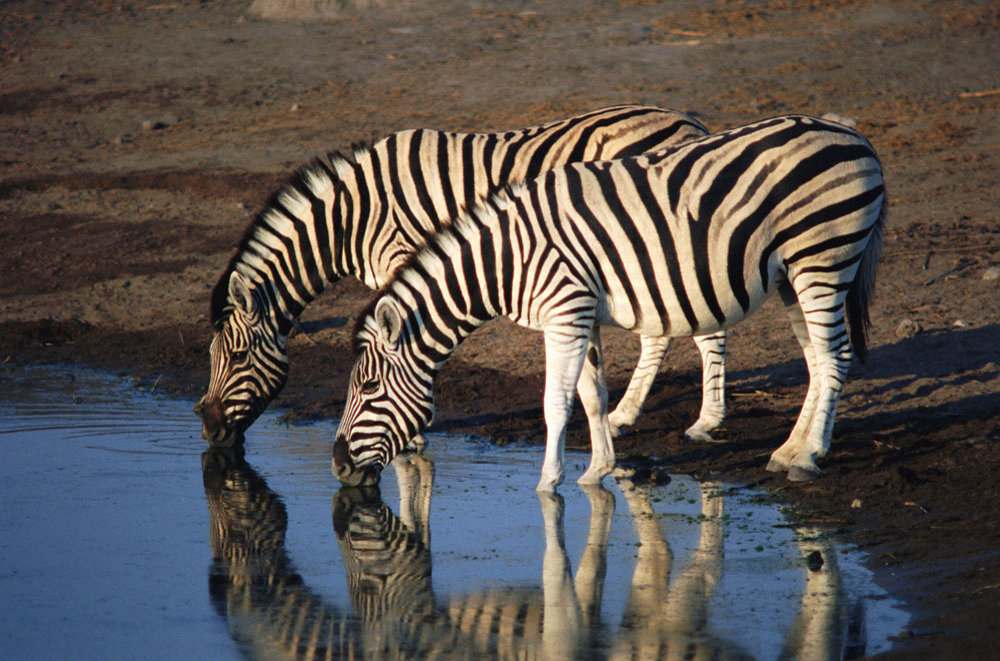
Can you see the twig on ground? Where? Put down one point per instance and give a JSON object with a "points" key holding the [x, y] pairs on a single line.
{"points": [[976, 95], [963, 265]]}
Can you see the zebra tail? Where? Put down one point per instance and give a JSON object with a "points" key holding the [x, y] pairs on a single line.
{"points": [[863, 288]]}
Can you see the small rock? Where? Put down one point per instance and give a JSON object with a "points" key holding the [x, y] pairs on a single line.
{"points": [[907, 328], [840, 119], [961, 323], [992, 273], [814, 561], [153, 125], [295, 107], [856, 504]]}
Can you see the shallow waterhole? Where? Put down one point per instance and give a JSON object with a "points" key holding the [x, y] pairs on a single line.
{"points": [[123, 537]]}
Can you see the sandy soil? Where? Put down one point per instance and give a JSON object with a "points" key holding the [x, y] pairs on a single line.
{"points": [[139, 137]]}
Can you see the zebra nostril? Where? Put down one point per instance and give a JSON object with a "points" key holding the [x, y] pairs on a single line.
{"points": [[342, 456]]}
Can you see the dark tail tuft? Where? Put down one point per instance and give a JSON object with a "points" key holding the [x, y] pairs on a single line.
{"points": [[863, 288]]}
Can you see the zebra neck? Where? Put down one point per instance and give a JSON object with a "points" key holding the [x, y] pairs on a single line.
{"points": [[450, 288], [306, 238]]}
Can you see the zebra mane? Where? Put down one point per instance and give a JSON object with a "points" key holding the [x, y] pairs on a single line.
{"points": [[326, 169]]}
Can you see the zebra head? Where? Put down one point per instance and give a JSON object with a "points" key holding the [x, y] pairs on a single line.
{"points": [[249, 364], [389, 399]]}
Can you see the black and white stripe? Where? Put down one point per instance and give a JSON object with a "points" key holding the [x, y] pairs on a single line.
{"points": [[364, 214], [690, 240], [272, 611]]}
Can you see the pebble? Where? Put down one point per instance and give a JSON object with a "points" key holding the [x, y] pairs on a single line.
{"points": [[907, 328], [295, 107], [992, 273], [856, 504], [840, 119], [961, 323]]}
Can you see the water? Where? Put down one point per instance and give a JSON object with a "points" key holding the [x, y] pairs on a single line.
{"points": [[123, 538]]}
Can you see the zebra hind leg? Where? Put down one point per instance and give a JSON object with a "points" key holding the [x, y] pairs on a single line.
{"points": [[593, 393], [823, 317], [628, 409], [713, 387], [781, 459]]}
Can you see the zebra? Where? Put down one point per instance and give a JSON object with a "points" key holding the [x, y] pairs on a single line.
{"points": [[688, 240], [364, 214]]}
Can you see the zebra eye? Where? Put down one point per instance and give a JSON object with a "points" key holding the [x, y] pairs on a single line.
{"points": [[369, 387], [239, 356]]}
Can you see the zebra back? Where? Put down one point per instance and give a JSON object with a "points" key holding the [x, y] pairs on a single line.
{"points": [[684, 241]]}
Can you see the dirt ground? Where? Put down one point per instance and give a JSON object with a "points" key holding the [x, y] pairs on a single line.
{"points": [[139, 137]]}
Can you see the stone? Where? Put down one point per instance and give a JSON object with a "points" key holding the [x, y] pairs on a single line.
{"points": [[907, 328]]}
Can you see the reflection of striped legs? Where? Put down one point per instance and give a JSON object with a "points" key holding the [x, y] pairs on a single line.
{"points": [[818, 632]]}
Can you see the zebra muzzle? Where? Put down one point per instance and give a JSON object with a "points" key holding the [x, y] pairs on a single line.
{"points": [[349, 474], [213, 425]]}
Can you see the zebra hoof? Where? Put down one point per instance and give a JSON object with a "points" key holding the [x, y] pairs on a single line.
{"points": [[618, 430], [593, 476], [699, 435], [416, 444], [777, 466], [801, 474], [548, 484]]}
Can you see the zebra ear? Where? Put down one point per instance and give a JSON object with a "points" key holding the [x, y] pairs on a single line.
{"points": [[239, 294], [389, 321]]}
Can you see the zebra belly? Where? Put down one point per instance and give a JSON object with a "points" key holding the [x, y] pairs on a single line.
{"points": [[666, 312]]}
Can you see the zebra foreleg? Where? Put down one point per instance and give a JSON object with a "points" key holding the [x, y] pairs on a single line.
{"points": [[565, 349], [713, 387], [593, 393], [650, 357]]}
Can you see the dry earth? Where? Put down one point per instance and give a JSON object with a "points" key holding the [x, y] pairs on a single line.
{"points": [[139, 137]]}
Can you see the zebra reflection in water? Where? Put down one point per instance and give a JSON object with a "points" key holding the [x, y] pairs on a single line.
{"points": [[273, 614]]}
